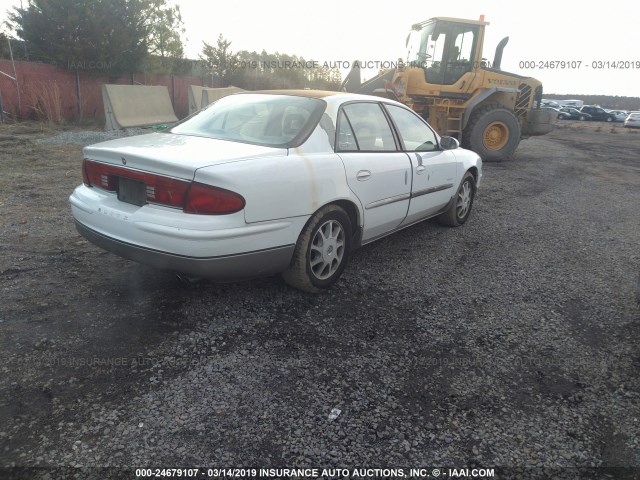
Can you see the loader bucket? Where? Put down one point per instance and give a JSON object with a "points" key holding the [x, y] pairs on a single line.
{"points": [[379, 85]]}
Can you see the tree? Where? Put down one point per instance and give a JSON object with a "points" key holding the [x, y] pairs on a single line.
{"points": [[220, 60], [4, 45], [165, 28], [105, 35]]}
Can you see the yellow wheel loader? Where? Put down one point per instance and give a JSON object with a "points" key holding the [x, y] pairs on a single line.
{"points": [[448, 82]]}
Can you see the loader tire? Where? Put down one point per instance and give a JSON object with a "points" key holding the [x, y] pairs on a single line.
{"points": [[493, 133]]}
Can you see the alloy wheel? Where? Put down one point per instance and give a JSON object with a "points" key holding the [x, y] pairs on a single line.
{"points": [[327, 249]]}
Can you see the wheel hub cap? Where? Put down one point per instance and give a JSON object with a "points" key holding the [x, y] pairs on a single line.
{"points": [[495, 136], [327, 250], [464, 200]]}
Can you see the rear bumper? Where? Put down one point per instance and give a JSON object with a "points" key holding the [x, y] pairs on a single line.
{"points": [[227, 267]]}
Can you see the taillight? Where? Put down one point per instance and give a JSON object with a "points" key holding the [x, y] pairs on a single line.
{"points": [[191, 197], [208, 200], [164, 190], [99, 175], [85, 174]]}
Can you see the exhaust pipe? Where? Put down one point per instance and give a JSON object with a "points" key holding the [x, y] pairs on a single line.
{"points": [[497, 60], [353, 81]]}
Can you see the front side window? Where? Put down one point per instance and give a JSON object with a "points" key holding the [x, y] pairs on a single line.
{"points": [[363, 127], [423, 44], [445, 51], [261, 119], [415, 135]]}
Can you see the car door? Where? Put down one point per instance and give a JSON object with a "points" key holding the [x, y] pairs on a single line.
{"points": [[434, 171], [377, 173]]}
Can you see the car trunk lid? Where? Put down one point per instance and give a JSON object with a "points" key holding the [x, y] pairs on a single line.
{"points": [[172, 155]]}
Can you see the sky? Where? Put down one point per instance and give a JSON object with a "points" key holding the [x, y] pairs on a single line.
{"points": [[599, 44]]}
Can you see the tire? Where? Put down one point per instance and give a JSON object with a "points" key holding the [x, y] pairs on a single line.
{"points": [[460, 210], [493, 133], [322, 251], [609, 119], [582, 118]]}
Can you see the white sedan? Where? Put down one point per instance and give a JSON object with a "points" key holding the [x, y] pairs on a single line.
{"points": [[632, 120], [262, 183]]}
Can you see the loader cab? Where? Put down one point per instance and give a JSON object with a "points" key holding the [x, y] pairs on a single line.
{"points": [[446, 48]]}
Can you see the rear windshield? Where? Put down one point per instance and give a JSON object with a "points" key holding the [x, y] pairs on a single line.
{"points": [[260, 119]]}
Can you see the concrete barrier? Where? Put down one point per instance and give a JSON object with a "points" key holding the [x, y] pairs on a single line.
{"points": [[128, 106], [195, 98], [210, 95]]}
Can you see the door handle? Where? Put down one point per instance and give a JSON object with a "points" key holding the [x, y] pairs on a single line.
{"points": [[420, 169], [363, 175]]}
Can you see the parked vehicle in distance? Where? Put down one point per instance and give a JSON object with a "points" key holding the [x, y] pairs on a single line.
{"points": [[556, 111], [562, 103], [273, 182], [549, 103], [598, 113], [620, 115], [573, 114], [632, 120], [572, 103]]}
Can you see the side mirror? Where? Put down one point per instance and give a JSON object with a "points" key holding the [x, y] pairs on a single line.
{"points": [[449, 143]]}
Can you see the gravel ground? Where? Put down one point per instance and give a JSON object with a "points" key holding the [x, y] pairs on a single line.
{"points": [[511, 342]]}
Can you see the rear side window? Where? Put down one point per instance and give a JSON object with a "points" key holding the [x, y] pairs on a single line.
{"points": [[346, 138], [363, 127]]}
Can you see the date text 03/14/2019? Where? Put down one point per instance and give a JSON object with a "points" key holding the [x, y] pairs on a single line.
{"points": [[579, 64]]}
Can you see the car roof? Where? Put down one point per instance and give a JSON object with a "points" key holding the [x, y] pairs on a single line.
{"points": [[299, 93], [332, 98]]}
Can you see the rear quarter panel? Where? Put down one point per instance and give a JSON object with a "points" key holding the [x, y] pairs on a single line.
{"points": [[281, 187]]}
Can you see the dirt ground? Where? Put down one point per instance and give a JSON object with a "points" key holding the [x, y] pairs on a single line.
{"points": [[548, 267]]}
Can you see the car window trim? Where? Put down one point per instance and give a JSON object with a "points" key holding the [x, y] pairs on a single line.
{"points": [[337, 149], [342, 114]]}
